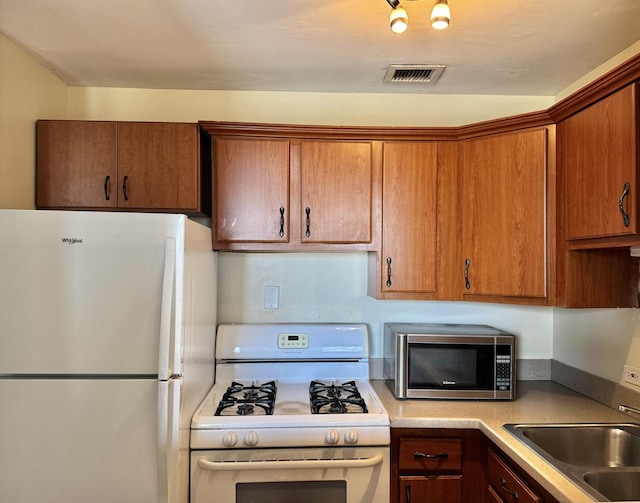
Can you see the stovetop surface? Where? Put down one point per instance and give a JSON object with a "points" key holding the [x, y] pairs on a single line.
{"points": [[292, 408]]}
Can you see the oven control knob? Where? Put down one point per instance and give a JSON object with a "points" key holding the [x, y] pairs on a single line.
{"points": [[251, 439], [230, 439], [351, 437], [332, 437]]}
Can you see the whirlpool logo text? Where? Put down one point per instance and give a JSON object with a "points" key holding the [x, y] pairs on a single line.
{"points": [[72, 241]]}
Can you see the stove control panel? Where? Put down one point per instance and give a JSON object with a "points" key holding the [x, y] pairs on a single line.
{"points": [[293, 340]]}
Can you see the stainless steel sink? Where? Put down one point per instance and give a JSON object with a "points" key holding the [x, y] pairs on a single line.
{"points": [[616, 485], [588, 445], [603, 458]]}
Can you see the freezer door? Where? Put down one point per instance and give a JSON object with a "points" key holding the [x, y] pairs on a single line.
{"points": [[82, 291], [68, 441]]}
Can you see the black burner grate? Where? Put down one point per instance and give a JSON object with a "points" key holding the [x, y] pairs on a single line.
{"points": [[336, 398], [243, 400]]}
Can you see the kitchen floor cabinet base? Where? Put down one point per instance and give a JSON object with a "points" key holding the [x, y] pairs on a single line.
{"points": [[437, 465]]}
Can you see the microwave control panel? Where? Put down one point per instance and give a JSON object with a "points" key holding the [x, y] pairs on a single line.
{"points": [[503, 368]]}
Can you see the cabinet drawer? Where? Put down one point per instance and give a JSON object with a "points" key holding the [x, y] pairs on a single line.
{"points": [[507, 483], [431, 454]]}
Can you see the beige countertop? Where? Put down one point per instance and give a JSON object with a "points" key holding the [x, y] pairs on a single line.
{"points": [[536, 402]]}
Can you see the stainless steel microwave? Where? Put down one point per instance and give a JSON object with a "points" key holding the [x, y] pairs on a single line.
{"points": [[449, 361]]}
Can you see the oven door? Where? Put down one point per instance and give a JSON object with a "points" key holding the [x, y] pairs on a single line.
{"points": [[312, 475]]}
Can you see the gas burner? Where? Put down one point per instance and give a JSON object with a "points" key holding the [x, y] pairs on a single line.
{"points": [[335, 398], [245, 409], [244, 400]]}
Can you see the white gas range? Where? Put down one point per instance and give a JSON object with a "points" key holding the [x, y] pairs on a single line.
{"points": [[291, 410]]}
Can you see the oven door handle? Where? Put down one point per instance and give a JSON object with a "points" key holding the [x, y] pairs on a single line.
{"points": [[296, 464]]}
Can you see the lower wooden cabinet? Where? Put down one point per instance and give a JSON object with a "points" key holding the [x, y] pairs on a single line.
{"points": [[441, 488], [442, 465], [504, 484], [436, 465]]}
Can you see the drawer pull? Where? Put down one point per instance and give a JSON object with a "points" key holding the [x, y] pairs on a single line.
{"points": [[506, 490], [407, 493], [441, 455]]}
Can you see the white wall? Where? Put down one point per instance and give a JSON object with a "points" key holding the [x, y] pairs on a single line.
{"points": [[598, 341], [27, 93], [297, 108], [325, 287]]}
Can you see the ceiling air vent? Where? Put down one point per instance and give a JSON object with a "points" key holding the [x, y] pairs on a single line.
{"points": [[414, 74]]}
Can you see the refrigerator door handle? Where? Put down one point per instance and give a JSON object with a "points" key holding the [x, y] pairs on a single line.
{"points": [[166, 309], [168, 433]]}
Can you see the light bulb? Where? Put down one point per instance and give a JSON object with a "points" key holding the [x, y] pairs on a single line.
{"points": [[440, 15], [398, 20]]}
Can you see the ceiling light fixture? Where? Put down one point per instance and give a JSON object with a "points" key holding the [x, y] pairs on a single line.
{"points": [[440, 15], [399, 19]]}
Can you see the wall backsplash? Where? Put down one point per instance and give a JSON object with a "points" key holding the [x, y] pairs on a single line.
{"points": [[329, 287], [325, 287]]}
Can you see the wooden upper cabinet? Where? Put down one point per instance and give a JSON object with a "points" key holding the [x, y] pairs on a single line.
{"points": [[504, 245], [76, 164], [293, 190], [598, 159], [158, 166], [336, 192], [409, 223], [119, 165], [251, 190]]}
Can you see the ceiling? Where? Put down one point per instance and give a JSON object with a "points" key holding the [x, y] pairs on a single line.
{"points": [[508, 47]]}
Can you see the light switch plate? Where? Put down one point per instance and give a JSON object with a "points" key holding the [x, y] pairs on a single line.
{"points": [[271, 297]]}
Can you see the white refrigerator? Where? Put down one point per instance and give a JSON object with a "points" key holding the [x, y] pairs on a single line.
{"points": [[107, 326]]}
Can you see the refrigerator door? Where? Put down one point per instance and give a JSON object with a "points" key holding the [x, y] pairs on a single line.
{"points": [[65, 441], [82, 292]]}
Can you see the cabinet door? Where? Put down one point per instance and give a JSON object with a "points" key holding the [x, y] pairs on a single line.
{"points": [[336, 192], [158, 166], [506, 483], [251, 190], [598, 158], [436, 489], [409, 230], [504, 215], [76, 165]]}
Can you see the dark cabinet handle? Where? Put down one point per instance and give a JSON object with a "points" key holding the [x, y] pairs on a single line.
{"points": [[467, 284], [107, 187], [281, 221], [388, 272], [407, 493], [506, 490], [124, 187], [440, 455], [625, 216], [308, 212]]}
